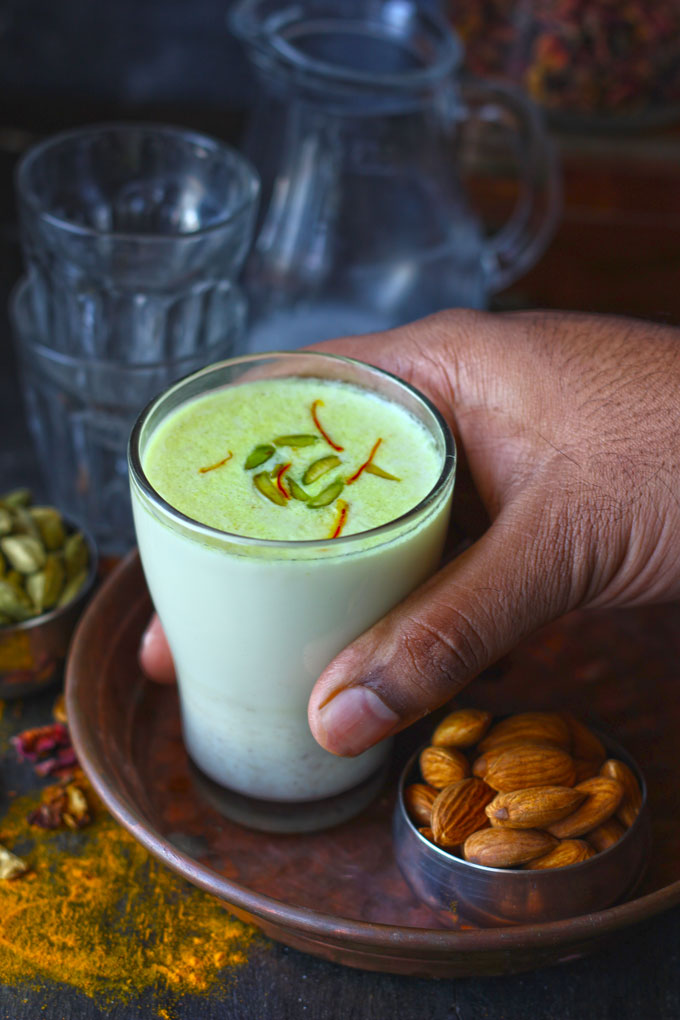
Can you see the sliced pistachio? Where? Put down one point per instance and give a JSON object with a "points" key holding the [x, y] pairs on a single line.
{"points": [[15, 498], [296, 491], [14, 603], [6, 524], [45, 586], [24, 553], [258, 456], [320, 467], [373, 469], [50, 525], [72, 588], [327, 495], [76, 555], [265, 485], [296, 440]]}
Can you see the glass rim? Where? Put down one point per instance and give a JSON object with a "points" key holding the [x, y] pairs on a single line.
{"points": [[27, 195], [25, 332], [176, 516], [243, 23]]}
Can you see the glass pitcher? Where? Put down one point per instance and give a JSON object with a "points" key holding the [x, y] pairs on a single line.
{"points": [[361, 137]]}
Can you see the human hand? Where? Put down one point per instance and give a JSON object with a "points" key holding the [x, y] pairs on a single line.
{"points": [[569, 429]]}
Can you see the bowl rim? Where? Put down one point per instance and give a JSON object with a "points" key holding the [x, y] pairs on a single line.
{"points": [[459, 863], [58, 611]]}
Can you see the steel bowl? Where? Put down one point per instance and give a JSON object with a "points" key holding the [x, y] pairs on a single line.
{"points": [[455, 888], [32, 653]]}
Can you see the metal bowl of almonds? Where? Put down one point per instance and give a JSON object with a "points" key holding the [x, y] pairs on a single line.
{"points": [[48, 568], [524, 819]]}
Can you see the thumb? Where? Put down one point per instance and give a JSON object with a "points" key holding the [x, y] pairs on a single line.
{"points": [[440, 637]]}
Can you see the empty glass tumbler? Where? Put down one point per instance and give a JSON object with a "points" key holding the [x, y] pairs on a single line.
{"points": [[81, 410], [132, 235]]}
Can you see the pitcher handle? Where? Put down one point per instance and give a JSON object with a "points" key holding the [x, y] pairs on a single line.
{"points": [[518, 244]]}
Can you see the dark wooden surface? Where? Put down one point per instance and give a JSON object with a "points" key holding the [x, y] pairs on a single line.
{"points": [[637, 978]]}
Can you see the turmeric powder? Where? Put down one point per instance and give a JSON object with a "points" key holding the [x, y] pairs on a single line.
{"points": [[98, 912]]}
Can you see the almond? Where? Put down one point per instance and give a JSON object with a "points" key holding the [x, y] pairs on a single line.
{"points": [[427, 832], [568, 851], [631, 802], [441, 766], [530, 765], [606, 835], [584, 743], [507, 848], [418, 800], [481, 764], [462, 728], [533, 808], [458, 811], [603, 798], [531, 727]]}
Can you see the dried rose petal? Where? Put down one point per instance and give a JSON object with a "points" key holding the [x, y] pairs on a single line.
{"points": [[64, 760], [42, 740]]}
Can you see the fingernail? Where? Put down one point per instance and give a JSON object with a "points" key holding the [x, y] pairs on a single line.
{"points": [[354, 720]]}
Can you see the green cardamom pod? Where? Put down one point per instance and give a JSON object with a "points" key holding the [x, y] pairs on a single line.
{"points": [[14, 603], [23, 523], [76, 555], [24, 553], [15, 498], [72, 588], [45, 586], [320, 467], [6, 524], [50, 525]]}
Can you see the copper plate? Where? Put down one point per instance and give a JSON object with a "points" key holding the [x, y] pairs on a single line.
{"points": [[338, 894]]}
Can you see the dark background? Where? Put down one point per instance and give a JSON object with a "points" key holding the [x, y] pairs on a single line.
{"points": [[64, 62]]}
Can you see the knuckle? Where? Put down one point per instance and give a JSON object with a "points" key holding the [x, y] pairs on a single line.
{"points": [[439, 656]]}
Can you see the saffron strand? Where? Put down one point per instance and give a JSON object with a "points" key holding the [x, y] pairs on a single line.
{"points": [[315, 418], [359, 471], [219, 464], [279, 480]]}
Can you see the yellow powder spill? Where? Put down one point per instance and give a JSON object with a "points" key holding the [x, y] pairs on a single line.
{"points": [[101, 914]]}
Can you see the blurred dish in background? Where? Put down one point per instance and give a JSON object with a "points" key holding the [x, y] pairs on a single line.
{"points": [[597, 63]]}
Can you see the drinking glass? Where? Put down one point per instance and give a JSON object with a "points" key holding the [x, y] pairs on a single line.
{"points": [[81, 410], [130, 232], [252, 622]]}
